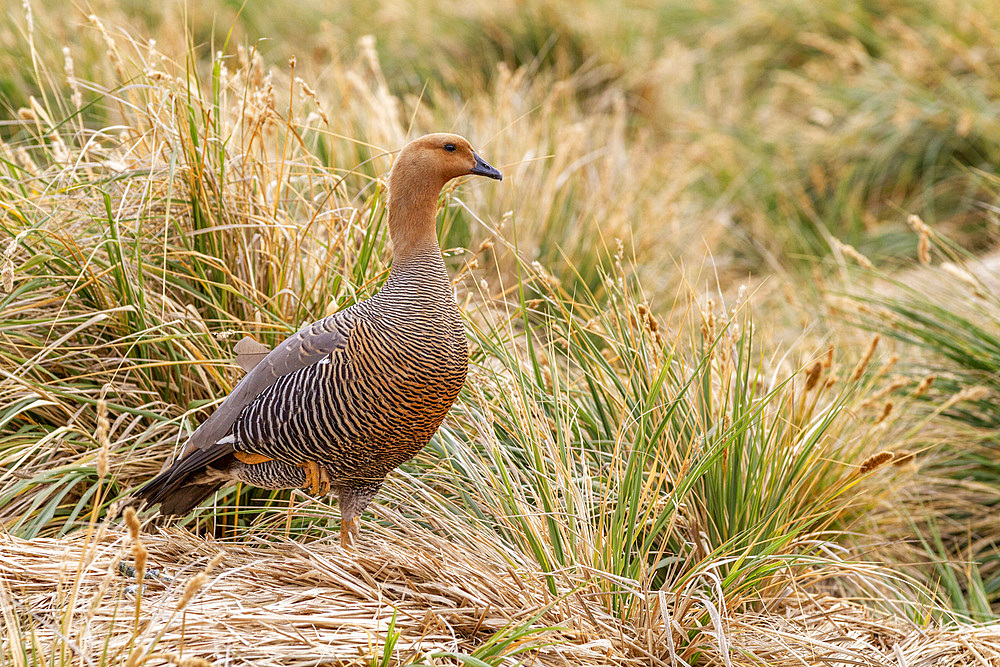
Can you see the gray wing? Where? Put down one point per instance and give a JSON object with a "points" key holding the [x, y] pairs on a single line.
{"points": [[305, 347]]}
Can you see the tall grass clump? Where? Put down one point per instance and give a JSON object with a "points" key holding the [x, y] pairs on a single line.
{"points": [[946, 311], [133, 253], [677, 468]]}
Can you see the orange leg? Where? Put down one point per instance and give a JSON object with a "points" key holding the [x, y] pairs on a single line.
{"points": [[349, 532]]}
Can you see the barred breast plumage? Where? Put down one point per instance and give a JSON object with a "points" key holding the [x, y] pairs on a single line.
{"points": [[380, 397], [349, 398]]}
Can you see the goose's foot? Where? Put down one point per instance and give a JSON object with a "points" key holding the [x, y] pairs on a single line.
{"points": [[317, 479], [349, 532]]}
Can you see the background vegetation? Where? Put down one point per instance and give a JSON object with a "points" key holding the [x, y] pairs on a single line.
{"points": [[733, 315]]}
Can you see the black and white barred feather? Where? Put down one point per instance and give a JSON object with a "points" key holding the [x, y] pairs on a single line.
{"points": [[360, 392]]}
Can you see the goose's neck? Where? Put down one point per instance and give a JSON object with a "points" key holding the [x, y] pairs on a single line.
{"points": [[413, 220]]}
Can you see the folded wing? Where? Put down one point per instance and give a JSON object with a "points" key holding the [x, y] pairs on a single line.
{"points": [[182, 486]]}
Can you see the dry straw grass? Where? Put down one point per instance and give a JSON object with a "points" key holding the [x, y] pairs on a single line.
{"points": [[286, 603], [291, 604]]}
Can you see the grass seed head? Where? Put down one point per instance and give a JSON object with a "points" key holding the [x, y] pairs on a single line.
{"points": [[924, 250], [862, 366], [7, 276], [924, 386], [132, 522], [960, 273], [111, 48], [191, 589], [886, 411], [813, 375], [311, 94], [650, 322], [887, 366], [103, 428], [977, 393], [875, 462], [102, 462], [855, 254], [216, 559], [924, 244], [897, 384], [29, 16], [76, 97], [487, 244], [140, 554]]}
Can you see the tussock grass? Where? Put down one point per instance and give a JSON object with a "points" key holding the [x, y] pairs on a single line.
{"points": [[777, 125], [955, 326], [639, 471]]}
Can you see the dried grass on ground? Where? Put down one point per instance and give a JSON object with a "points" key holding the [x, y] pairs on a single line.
{"points": [[291, 604], [287, 603]]}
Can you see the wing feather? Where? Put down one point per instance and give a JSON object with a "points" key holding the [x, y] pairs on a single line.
{"points": [[249, 353], [304, 348]]}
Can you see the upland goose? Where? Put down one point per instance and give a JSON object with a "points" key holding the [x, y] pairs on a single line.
{"points": [[345, 400]]}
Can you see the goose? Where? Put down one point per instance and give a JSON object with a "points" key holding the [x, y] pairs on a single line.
{"points": [[344, 401]]}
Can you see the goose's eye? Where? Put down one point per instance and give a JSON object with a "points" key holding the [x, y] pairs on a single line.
{"points": [[450, 148]]}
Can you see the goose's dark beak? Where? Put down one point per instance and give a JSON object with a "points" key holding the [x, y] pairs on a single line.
{"points": [[483, 168]]}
